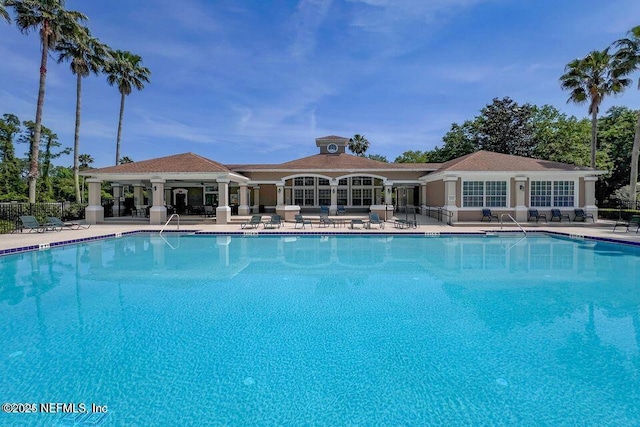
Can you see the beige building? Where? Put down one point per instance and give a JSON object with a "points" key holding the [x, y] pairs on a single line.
{"points": [[460, 188]]}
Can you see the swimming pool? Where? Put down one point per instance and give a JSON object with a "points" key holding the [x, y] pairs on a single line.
{"points": [[324, 330]]}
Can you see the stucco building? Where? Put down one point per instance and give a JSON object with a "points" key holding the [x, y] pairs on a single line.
{"points": [[461, 187]]}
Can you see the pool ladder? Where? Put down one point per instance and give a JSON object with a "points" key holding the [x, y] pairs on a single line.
{"points": [[169, 220], [514, 221]]}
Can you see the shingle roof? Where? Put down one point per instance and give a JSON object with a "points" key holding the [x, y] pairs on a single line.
{"points": [[336, 161], [185, 163], [490, 161]]}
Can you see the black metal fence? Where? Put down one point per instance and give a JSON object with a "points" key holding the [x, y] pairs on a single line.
{"points": [[10, 213]]}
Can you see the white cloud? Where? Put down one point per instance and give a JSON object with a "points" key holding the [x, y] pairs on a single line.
{"points": [[308, 17]]}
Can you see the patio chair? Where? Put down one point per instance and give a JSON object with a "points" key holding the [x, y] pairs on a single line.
{"points": [[325, 221], [634, 221], [300, 220], [486, 214], [209, 212], [534, 214], [581, 215], [355, 222], [274, 222], [31, 223], [374, 219], [341, 210], [555, 213], [71, 225], [324, 210], [254, 222]]}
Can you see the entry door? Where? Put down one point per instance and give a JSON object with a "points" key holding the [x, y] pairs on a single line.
{"points": [[181, 203]]}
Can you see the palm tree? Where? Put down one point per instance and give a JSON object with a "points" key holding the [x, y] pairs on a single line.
{"points": [[3, 12], [54, 24], [85, 160], [86, 55], [590, 79], [358, 145], [125, 70], [628, 58]]}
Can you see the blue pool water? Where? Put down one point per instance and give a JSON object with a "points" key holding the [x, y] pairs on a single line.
{"points": [[324, 331]]}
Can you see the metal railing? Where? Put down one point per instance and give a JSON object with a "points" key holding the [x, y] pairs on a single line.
{"points": [[514, 221], [10, 212], [439, 213], [169, 220]]}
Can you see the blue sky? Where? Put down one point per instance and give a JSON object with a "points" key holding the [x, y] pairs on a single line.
{"points": [[256, 81]]}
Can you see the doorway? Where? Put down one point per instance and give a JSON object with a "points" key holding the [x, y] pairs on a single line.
{"points": [[181, 203]]}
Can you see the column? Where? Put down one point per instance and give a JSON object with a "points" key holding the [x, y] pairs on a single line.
{"points": [[94, 212], [118, 198], [243, 208], [450, 202], [590, 195], [388, 188], [423, 197], [158, 211], [334, 195], [280, 193], [256, 200], [223, 211], [138, 195], [520, 183]]}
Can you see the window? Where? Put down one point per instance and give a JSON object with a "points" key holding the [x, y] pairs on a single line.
{"points": [[562, 193], [472, 193], [324, 197], [323, 181], [342, 196], [540, 193], [484, 193], [552, 193]]}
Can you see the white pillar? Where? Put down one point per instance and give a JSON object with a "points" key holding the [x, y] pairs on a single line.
{"points": [[388, 188], [423, 197], [223, 211], [117, 197], [280, 192], [94, 212], [522, 213], [256, 200], [158, 211], [450, 196], [590, 195], [334, 195], [138, 195], [243, 208]]}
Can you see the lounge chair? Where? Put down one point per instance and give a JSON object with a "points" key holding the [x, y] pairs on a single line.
{"points": [[355, 222], [274, 222], [254, 222], [374, 219], [300, 220], [633, 222], [486, 214], [341, 210], [581, 215], [71, 225], [555, 213], [30, 223], [325, 221], [324, 210], [534, 214]]}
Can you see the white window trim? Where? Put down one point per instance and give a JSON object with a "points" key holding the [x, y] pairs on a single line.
{"points": [[554, 178], [485, 178]]}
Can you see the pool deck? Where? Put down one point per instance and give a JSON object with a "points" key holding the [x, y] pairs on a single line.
{"points": [[20, 242]]}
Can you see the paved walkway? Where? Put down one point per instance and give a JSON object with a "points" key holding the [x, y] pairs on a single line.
{"points": [[603, 229]]}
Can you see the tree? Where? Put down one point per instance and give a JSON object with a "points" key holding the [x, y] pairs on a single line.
{"points": [[358, 145], [3, 12], [378, 157], [86, 55], [125, 159], [413, 157], [11, 182], [506, 127], [459, 141], [126, 71], [591, 79], [54, 23], [628, 58]]}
